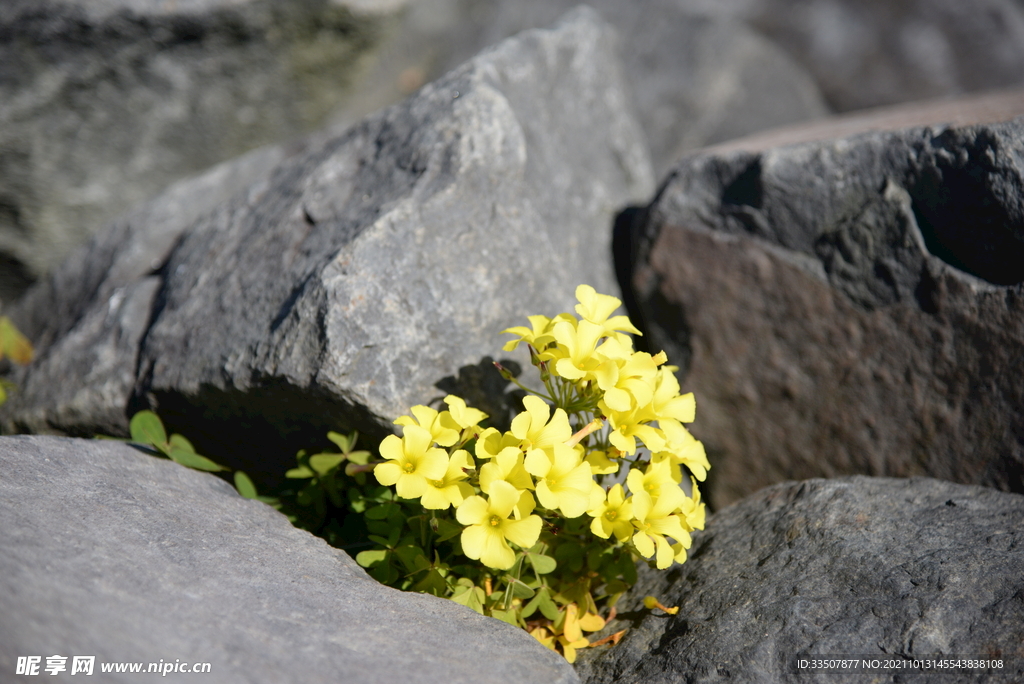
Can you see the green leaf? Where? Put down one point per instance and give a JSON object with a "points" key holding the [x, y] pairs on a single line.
{"points": [[179, 442], [344, 443], [519, 589], [542, 564], [322, 463], [570, 556], [299, 473], [359, 457], [383, 541], [446, 529], [382, 511], [194, 460], [433, 583], [547, 607], [472, 597], [531, 607], [245, 486], [370, 558], [146, 428], [508, 616]]}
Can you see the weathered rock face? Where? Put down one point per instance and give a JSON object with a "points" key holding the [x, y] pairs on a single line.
{"points": [[113, 553], [695, 79], [843, 307], [376, 271], [104, 104], [870, 566], [869, 53]]}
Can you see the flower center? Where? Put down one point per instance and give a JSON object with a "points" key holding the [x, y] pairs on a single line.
{"points": [[611, 515], [409, 467], [438, 483], [495, 521]]}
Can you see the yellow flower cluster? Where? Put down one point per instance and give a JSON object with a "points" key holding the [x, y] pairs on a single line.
{"points": [[613, 405]]}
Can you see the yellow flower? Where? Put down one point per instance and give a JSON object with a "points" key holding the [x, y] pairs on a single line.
{"points": [[654, 519], [627, 381], [682, 449], [627, 427], [596, 308], [537, 334], [602, 463], [532, 428], [452, 489], [614, 515], [564, 480], [656, 480], [412, 462], [574, 356], [442, 428], [490, 529], [507, 466], [490, 443], [667, 403], [463, 416], [692, 510]]}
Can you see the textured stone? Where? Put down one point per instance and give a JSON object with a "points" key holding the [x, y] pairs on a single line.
{"points": [[105, 103], [376, 271], [846, 307], [966, 110], [87, 319], [695, 79], [869, 566], [865, 53], [117, 554]]}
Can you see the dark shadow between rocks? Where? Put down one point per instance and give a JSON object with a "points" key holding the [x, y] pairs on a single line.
{"points": [[260, 430], [966, 209], [482, 386], [666, 328]]}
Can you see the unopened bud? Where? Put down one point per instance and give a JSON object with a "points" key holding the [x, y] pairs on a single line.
{"points": [[505, 372], [651, 603]]}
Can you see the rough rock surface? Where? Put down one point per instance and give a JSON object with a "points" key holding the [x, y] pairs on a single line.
{"points": [[105, 103], [87, 319], [871, 566], [114, 553], [695, 79], [865, 53], [846, 307], [377, 271]]}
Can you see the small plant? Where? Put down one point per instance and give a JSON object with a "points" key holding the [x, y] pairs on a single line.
{"points": [[147, 429], [533, 525]]}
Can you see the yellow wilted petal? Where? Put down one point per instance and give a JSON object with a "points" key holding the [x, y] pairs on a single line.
{"points": [[591, 622], [13, 344]]}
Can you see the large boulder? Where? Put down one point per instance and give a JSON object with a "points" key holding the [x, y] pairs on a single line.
{"points": [[865, 53], [846, 306], [876, 567], [695, 79], [104, 104], [372, 273], [109, 552]]}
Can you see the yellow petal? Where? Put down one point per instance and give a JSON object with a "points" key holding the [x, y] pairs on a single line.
{"points": [[523, 533]]}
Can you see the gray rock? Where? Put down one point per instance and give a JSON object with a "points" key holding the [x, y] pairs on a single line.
{"points": [[104, 104], [846, 307], [377, 271], [695, 79], [870, 53], [113, 553], [855, 566], [87, 319]]}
